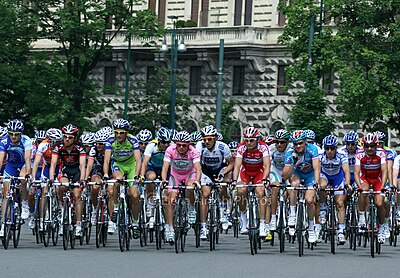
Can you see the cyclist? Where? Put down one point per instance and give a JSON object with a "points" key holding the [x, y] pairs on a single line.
{"points": [[18, 148], [351, 147], [335, 171], [220, 137], [216, 164], [310, 138], [185, 168], [72, 157], [396, 183], [94, 168], [252, 164], [233, 147], [278, 152], [152, 166], [371, 168], [87, 140], [3, 132], [195, 137], [144, 137], [302, 162], [44, 153], [125, 161]]}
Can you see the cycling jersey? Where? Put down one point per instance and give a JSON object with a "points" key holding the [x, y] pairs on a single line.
{"points": [[371, 165], [351, 157], [277, 162], [390, 153], [253, 160], [96, 156], [304, 162], [212, 162], [16, 153], [123, 152], [156, 155], [396, 165], [333, 166], [69, 158]]}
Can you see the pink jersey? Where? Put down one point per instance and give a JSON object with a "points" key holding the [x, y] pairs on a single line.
{"points": [[181, 164]]}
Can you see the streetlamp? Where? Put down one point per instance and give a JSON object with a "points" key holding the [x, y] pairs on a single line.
{"points": [[175, 48]]}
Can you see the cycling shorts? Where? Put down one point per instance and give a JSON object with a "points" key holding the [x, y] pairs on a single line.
{"points": [[128, 170], [335, 181], [13, 169], [376, 183], [97, 170], [73, 174], [209, 177], [46, 171], [2, 170], [156, 170], [308, 178], [177, 179], [246, 177], [275, 175]]}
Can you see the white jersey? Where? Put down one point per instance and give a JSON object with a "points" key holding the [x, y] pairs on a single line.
{"points": [[214, 159], [333, 166], [351, 157], [277, 157]]}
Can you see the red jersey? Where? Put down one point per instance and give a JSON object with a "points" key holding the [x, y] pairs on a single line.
{"points": [[253, 159], [69, 158], [371, 165]]}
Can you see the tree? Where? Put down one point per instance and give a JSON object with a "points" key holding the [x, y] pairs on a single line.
{"points": [[228, 122], [152, 101], [361, 44]]}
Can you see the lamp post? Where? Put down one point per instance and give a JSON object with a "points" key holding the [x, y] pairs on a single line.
{"points": [[128, 69], [175, 48]]}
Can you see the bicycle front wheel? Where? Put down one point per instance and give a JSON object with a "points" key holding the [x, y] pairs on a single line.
{"points": [[7, 220], [66, 226], [300, 228], [46, 222], [121, 226], [281, 228], [372, 233]]}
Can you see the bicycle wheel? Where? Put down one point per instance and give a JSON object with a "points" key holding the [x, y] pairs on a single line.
{"points": [[121, 225], [55, 224], [393, 227], [218, 228], [88, 224], [300, 228], [36, 217], [46, 222], [72, 230], [353, 228], [252, 238], [372, 233], [98, 223], [332, 227], [281, 228], [66, 226], [211, 228], [158, 226], [177, 224], [197, 225], [142, 224], [7, 220], [17, 226]]}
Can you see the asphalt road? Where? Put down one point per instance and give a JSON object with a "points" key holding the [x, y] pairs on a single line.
{"points": [[231, 258]]}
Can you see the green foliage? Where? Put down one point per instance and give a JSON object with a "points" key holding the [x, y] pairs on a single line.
{"points": [[228, 122], [151, 108], [362, 47], [188, 23]]}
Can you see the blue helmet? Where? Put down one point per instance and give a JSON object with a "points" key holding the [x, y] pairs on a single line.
{"points": [[144, 136], [3, 131], [164, 134], [350, 137], [233, 145], [15, 125], [330, 141], [381, 135], [297, 135], [121, 124], [54, 134], [40, 135], [309, 134]]}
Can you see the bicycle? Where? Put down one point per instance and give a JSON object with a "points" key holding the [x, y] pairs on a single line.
{"points": [[235, 214], [394, 227], [352, 220], [102, 217], [214, 225], [86, 215], [143, 220], [282, 214], [12, 220], [37, 211]]}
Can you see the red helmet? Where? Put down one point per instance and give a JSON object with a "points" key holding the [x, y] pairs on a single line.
{"points": [[251, 132], [370, 138], [70, 129]]}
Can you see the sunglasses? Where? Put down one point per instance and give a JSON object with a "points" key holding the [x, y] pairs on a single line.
{"points": [[119, 132], [142, 143], [381, 142], [372, 146], [100, 144], [310, 141], [14, 133], [280, 142], [182, 145], [208, 138], [165, 142], [350, 144], [330, 148], [69, 137], [298, 143], [54, 142], [250, 140]]}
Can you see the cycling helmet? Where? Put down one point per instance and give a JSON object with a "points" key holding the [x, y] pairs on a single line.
{"points": [[15, 125], [233, 145], [269, 139], [3, 131], [174, 132], [107, 130], [182, 136], [121, 124], [350, 137], [70, 129], [381, 135], [54, 134], [209, 130], [251, 132], [297, 135], [219, 137], [40, 135], [144, 136], [101, 136], [196, 136], [164, 134], [282, 134], [87, 139], [330, 141], [309, 134], [370, 138]]}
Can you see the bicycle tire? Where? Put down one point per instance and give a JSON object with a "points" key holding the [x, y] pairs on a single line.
{"points": [[353, 228], [55, 227], [281, 228], [17, 226], [177, 224], [252, 238], [142, 224], [158, 226], [211, 226], [98, 225], [36, 217], [72, 231], [121, 225], [88, 226], [218, 228], [372, 233], [393, 226], [46, 222], [197, 225], [66, 226], [332, 228], [7, 220], [300, 228]]}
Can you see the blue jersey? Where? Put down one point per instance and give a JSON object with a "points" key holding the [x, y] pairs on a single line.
{"points": [[304, 163], [15, 153], [331, 167], [350, 157]]}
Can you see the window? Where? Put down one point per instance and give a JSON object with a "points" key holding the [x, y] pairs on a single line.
{"points": [[110, 77], [281, 16], [327, 82], [282, 80], [238, 13], [195, 80], [238, 80], [248, 12]]}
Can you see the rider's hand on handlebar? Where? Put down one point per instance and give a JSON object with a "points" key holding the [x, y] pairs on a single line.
{"points": [[196, 185], [106, 177], [316, 185], [266, 182], [28, 177], [295, 157], [220, 178], [233, 184]]}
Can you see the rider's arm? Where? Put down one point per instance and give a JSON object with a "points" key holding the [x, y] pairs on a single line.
{"points": [[390, 171], [164, 172], [2, 155], [238, 164], [89, 167], [197, 166], [316, 163], [395, 173], [82, 165], [28, 161], [357, 169], [36, 162], [287, 171], [384, 173], [267, 166], [230, 166], [146, 160], [106, 165], [138, 158], [54, 159], [346, 170]]}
